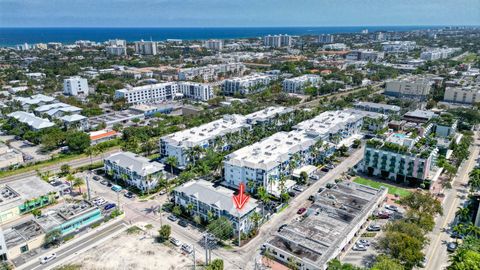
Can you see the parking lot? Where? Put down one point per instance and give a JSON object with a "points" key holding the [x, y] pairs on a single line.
{"points": [[31, 152], [364, 249]]}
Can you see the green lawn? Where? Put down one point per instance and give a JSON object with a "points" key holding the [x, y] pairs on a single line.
{"points": [[391, 189]]}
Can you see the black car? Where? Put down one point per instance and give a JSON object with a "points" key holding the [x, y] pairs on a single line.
{"points": [[109, 184], [281, 227], [96, 178], [325, 169], [292, 194], [129, 195], [183, 223]]}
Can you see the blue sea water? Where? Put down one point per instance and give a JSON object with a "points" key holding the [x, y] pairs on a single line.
{"points": [[13, 36]]}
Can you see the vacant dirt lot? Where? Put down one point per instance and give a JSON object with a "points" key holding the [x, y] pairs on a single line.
{"points": [[133, 251]]}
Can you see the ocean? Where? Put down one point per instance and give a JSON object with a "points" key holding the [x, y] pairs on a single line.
{"points": [[14, 36]]}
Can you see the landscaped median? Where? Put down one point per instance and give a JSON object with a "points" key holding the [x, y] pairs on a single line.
{"points": [[391, 188]]}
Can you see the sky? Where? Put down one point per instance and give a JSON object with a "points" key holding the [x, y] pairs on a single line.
{"points": [[222, 13]]}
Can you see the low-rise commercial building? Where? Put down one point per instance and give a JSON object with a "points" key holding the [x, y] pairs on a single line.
{"points": [[297, 85], [9, 157], [135, 170], [330, 225], [419, 116], [411, 88], [210, 200], [23, 196]]}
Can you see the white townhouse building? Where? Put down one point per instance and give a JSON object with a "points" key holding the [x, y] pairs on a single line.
{"points": [[35, 123], [297, 85], [246, 84], [151, 93], [180, 143], [134, 169], [75, 86], [196, 91], [208, 199]]}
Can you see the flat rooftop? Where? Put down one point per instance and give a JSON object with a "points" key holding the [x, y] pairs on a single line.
{"points": [[22, 233], [115, 117], [54, 217], [267, 113], [333, 216], [328, 122], [194, 136], [16, 193], [271, 151]]}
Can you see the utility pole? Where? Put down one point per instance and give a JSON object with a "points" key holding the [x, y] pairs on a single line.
{"points": [[239, 233], [205, 236], [88, 186], [194, 259]]}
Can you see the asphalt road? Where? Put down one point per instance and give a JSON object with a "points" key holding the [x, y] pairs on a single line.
{"points": [[56, 167], [436, 253], [73, 249]]}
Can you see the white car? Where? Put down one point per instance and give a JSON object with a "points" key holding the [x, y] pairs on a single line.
{"points": [[391, 207], [187, 248], [47, 258], [175, 242], [358, 247], [99, 201]]}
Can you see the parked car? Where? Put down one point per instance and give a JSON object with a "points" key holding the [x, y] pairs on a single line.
{"points": [[451, 247], [301, 210], [162, 192], [99, 201], [423, 263], [292, 194], [104, 182], [383, 215], [281, 227], [359, 248], [47, 258], [325, 169], [298, 188], [315, 177], [110, 206], [391, 207], [96, 178], [373, 228], [129, 195], [175, 242], [321, 189], [363, 242], [187, 248], [116, 188], [172, 218], [183, 223]]}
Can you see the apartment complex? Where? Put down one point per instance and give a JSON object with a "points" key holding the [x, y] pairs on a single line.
{"points": [[469, 94], [438, 53], [277, 41], [274, 157], [179, 144], [34, 122], [75, 86], [365, 55], [399, 46], [412, 88], [246, 85], [208, 199], [377, 107], [326, 38], [197, 91], [151, 93], [213, 44], [328, 227], [136, 170], [297, 85], [211, 72], [146, 47], [400, 158], [116, 50]]}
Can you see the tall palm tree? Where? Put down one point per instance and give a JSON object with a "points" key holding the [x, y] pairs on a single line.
{"points": [[264, 197], [78, 183], [172, 161], [282, 186], [255, 218], [463, 213]]}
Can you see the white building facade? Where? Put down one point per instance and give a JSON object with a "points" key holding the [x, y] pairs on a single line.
{"points": [[75, 86], [246, 85], [152, 93], [196, 91], [297, 85]]}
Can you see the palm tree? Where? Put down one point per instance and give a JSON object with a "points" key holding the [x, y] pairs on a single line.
{"points": [[172, 161], [255, 218], [78, 182], [471, 229], [190, 208], [264, 197], [92, 151], [282, 186], [463, 213], [70, 178], [459, 229]]}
